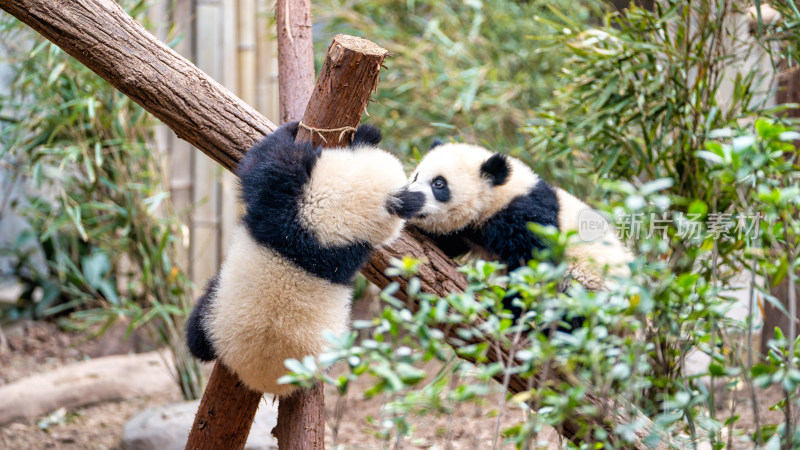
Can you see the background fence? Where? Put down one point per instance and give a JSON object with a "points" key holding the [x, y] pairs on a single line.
{"points": [[234, 42]]}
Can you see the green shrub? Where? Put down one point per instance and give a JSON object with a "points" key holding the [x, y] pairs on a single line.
{"points": [[640, 117], [625, 351]]}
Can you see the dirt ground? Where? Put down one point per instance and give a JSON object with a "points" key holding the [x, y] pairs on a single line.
{"points": [[469, 427], [36, 347]]}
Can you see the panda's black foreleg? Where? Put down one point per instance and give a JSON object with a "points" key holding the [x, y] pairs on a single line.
{"points": [[452, 244], [196, 336]]}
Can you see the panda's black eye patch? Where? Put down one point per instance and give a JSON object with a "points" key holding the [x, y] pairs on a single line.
{"points": [[440, 190]]}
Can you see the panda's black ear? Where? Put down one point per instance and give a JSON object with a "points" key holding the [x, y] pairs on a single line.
{"points": [[496, 169], [367, 135], [436, 142]]}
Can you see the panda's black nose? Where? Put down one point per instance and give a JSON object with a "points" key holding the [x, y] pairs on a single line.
{"points": [[405, 204]]}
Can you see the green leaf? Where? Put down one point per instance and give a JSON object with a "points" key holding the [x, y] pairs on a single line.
{"points": [[760, 369], [297, 367], [409, 374], [712, 158], [95, 267], [763, 127], [698, 208], [55, 73], [716, 370]]}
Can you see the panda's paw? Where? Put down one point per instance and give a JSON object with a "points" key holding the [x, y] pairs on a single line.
{"points": [[367, 135], [284, 136]]}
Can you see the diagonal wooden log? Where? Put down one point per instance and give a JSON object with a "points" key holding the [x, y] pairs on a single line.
{"points": [[103, 37]]}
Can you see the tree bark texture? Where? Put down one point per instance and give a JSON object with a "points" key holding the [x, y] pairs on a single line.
{"points": [[295, 57], [301, 420], [102, 36], [225, 414], [349, 74]]}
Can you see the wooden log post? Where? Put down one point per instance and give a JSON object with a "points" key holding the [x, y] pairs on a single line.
{"points": [[301, 415], [295, 57], [104, 38], [225, 414], [349, 75]]}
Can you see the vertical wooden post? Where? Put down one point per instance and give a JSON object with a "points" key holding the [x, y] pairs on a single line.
{"points": [[301, 420], [225, 414], [301, 415], [348, 77], [204, 227], [788, 92], [295, 57]]}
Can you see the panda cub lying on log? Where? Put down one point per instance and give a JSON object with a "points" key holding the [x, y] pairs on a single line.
{"points": [[312, 218], [482, 202]]}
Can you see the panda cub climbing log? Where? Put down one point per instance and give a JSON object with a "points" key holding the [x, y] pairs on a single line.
{"points": [[312, 218], [482, 202]]}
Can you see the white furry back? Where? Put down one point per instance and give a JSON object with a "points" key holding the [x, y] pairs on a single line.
{"points": [[588, 261], [267, 310]]}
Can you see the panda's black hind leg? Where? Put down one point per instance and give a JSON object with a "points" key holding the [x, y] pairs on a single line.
{"points": [[196, 336]]}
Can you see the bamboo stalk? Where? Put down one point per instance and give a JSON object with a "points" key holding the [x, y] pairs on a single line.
{"points": [[295, 57], [228, 206], [204, 245], [267, 75]]}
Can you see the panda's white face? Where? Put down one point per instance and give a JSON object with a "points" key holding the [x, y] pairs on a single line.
{"points": [[350, 194], [457, 194]]}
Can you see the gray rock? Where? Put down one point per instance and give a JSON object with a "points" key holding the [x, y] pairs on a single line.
{"points": [[166, 427]]}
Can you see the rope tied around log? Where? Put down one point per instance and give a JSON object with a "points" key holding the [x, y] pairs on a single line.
{"points": [[319, 131]]}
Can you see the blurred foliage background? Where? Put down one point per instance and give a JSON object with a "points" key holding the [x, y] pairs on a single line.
{"points": [[473, 70], [97, 207]]}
